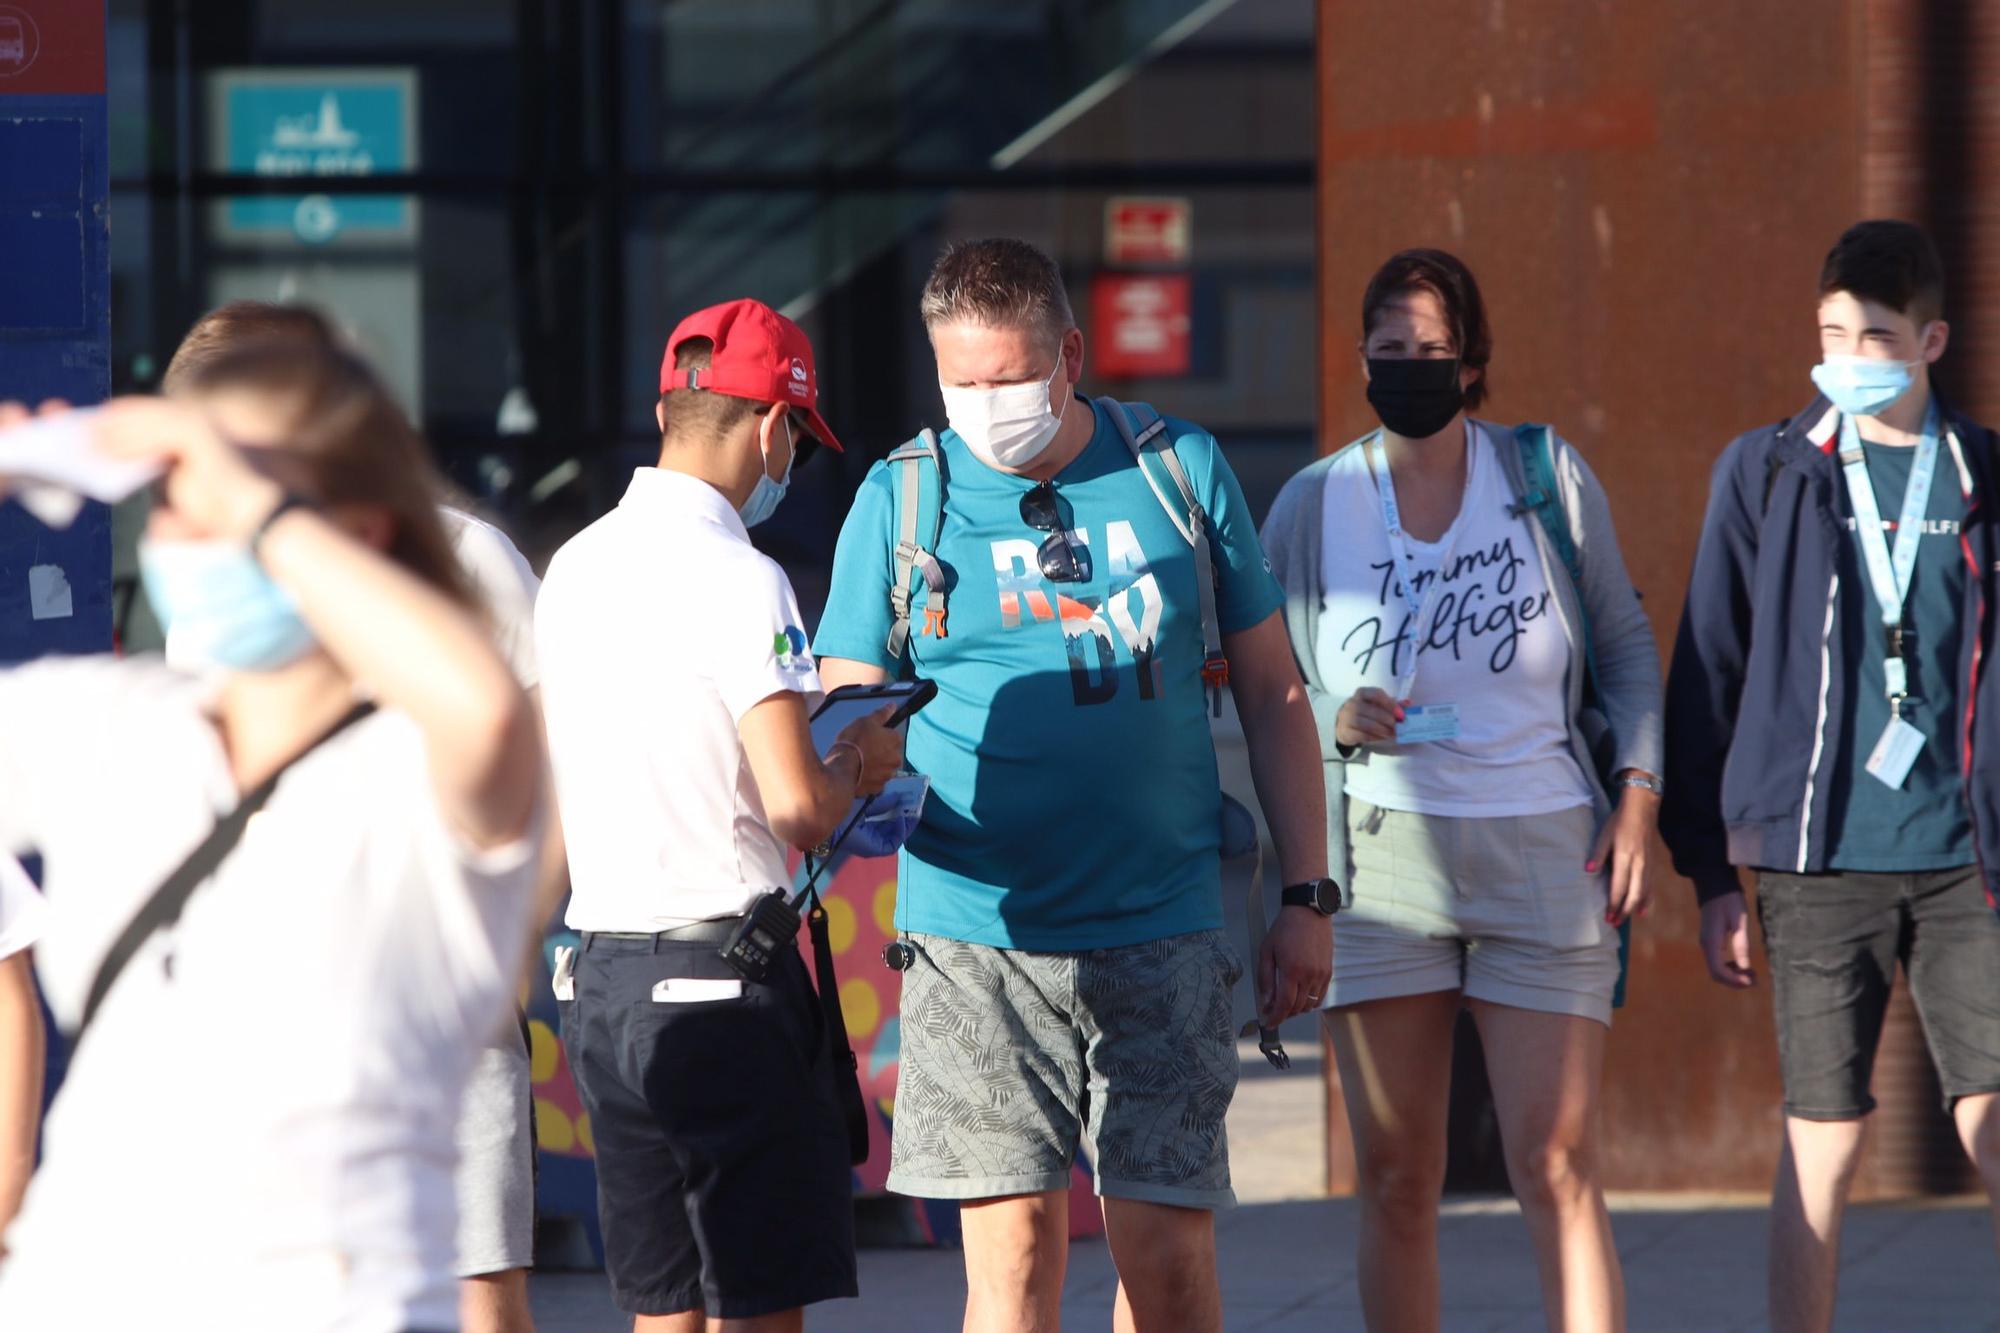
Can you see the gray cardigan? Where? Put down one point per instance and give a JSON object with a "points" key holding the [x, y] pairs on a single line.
{"points": [[1628, 661]]}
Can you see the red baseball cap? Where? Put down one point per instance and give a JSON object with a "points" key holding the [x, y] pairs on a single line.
{"points": [[759, 355]]}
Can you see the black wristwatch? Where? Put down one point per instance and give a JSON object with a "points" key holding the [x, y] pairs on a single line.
{"points": [[1322, 895]]}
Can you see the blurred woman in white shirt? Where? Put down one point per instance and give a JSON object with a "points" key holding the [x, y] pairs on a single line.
{"points": [[256, 1131]]}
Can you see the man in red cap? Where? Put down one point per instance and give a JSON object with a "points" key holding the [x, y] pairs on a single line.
{"points": [[676, 683]]}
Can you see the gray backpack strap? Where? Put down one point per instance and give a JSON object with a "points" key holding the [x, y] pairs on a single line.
{"points": [[1145, 434], [910, 556]]}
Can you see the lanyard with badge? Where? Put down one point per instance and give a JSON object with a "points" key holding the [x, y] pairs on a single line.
{"points": [[1889, 573], [1421, 722]]}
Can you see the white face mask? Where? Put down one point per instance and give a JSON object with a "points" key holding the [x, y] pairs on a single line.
{"points": [[1009, 427]]}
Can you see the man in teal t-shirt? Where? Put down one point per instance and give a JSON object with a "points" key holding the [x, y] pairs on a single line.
{"points": [[1061, 898]]}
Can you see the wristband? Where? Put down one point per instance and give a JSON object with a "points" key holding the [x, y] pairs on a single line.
{"points": [[1642, 782], [837, 747], [287, 502]]}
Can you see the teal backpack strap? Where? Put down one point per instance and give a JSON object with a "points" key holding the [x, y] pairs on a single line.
{"points": [[911, 557], [1145, 434], [1543, 496]]}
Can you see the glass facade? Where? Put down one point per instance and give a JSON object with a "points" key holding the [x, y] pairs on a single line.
{"points": [[511, 204]]}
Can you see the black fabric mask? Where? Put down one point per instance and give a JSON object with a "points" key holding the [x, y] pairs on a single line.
{"points": [[1415, 397]]}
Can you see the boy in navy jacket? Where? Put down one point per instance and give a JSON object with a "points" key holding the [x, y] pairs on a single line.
{"points": [[1826, 727]]}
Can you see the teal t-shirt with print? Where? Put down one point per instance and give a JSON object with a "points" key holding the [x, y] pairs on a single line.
{"points": [[1924, 824], [1074, 798]]}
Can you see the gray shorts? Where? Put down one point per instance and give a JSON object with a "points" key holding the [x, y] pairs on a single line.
{"points": [[1008, 1057], [1499, 908], [496, 1161]]}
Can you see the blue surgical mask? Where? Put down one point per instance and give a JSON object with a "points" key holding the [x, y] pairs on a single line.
{"points": [[892, 817], [766, 495], [219, 608], [1861, 386]]}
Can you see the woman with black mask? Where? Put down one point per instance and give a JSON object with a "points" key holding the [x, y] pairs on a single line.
{"points": [[1488, 694]]}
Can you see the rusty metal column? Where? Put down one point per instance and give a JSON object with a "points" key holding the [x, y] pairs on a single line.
{"points": [[1926, 129]]}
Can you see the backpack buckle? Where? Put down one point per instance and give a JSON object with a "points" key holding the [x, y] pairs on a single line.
{"points": [[1215, 675], [934, 621]]}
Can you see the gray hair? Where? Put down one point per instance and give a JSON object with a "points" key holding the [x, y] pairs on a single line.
{"points": [[998, 283]]}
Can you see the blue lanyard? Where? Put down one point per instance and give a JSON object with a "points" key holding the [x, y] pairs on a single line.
{"points": [[1889, 572], [1406, 563]]}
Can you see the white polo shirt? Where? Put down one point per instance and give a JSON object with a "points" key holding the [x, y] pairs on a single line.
{"points": [[658, 627]]}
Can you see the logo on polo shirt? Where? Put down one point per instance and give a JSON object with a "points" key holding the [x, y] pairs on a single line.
{"points": [[789, 647]]}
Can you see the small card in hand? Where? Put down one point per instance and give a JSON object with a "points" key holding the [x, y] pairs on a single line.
{"points": [[1427, 722]]}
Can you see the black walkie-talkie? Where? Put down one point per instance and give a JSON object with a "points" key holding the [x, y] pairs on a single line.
{"points": [[770, 924], [773, 920]]}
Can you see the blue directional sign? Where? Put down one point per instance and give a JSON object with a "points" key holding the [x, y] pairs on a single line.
{"points": [[308, 124]]}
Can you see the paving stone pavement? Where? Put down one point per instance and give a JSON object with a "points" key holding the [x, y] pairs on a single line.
{"points": [[1289, 1267], [1287, 1257]]}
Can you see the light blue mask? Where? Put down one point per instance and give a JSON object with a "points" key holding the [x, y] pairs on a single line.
{"points": [[892, 817], [766, 495], [1861, 386], [219, 608]]}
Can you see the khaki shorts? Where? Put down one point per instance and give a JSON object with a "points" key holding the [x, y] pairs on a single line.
{"points": [[1498, 908]]}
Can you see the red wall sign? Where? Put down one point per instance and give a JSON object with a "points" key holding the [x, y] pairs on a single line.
{"points": [[1147, 231], [52, 47], [1139, 324]]}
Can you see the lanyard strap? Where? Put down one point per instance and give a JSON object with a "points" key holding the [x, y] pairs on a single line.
{"points": [[1889, 572], [1406, 563]]}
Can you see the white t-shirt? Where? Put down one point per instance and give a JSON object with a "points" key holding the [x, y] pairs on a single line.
{"points": [[506, 583], [21, 908], [659, 626], [1494, 645], [257, 1131]]}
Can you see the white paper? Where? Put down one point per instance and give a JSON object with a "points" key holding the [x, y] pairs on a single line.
{"points": [[50, 462], [48, 593], [695, 990]]}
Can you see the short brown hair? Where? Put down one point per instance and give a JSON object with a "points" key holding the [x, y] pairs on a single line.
{"points": [[998, 283], [356, 445], [1446, 277], [235, 323], [702, 416]]}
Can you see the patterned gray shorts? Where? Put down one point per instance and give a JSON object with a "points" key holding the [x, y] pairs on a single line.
{"points": [[1009, 1056]]}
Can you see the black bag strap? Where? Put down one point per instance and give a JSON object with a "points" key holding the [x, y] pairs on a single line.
{"points": [[164, 907], [847, 1069]]}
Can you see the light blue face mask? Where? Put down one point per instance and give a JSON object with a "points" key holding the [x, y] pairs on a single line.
{"points": [[1861, 386], [219, 608], [766, 495], [892, 817]]}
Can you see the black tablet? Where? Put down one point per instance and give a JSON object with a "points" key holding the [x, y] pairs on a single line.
{"points": [[850, 702]]}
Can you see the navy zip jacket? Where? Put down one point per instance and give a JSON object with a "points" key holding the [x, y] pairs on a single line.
{"points": [[1755, 713]]}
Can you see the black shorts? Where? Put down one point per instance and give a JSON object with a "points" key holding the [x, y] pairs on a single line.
{"points": [[1834, 941], [723, 1183]]}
